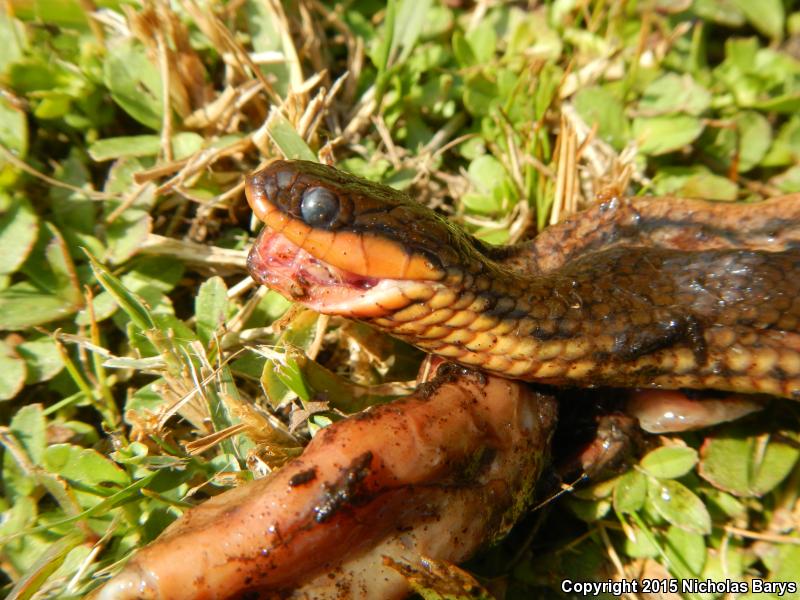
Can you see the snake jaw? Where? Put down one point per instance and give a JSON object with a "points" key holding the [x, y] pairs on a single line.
{"points": [[279, 263]]}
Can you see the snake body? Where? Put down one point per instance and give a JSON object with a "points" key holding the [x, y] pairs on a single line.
{"points": [[648, 292]]}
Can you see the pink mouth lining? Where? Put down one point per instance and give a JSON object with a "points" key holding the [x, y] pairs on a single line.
{"points": [[280, 264]]}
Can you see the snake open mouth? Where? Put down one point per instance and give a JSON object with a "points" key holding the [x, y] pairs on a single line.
{"points": [[279, 263]]}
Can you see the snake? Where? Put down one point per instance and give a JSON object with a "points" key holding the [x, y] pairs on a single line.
{"points": [[646, 292]]}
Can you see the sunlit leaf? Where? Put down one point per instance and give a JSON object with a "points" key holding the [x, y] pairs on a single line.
{"points": [[210, 308], [287, 139], [679, 505], [745, 465], [669, 462], [630, 492], [659, 135], [19, 227], [134, 82], [766, 15], [12, 371]]}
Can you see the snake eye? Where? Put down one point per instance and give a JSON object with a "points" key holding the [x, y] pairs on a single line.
{"points": [[319, 207]]}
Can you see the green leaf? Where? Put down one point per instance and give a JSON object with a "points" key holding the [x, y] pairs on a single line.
{"points": [[383, 50], [669, 462], [184, 144], [42, 358], [743, 143], [741, 53], [724, 12], [12, 371], [532, 38], [694, 182], [599, 105], [144, 400], [463, 50], [19, 227], [375, 170], [53, 292], [589, 511], [630, 492], [687, 547], [64, 280], [341, 394], [488, 176], [641, 544], [745, 465], [210, 308], [134, 82], [127, 145], [271, 307], [283, 376], [82, 465], [121, 178], [15, 43], [53, 105], [412, 16], [24, 305], [103, 305], [129, 302], [287, 139], [678, 505], [36, 576], [480, 94], [31, 74], [765, 15], [755, 138], [13, 129], [727, 562], [785, 148], [725, 503], [61, 13], [126, 235], [785, 103], [129, 229], [28, 426], [152, 277], [660, 135], [674, 93], [483, 42], [783, 565], [73, 211], [789, 181]]}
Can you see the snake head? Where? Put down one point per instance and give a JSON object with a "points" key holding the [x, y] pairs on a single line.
{"points": [[343, 245]]}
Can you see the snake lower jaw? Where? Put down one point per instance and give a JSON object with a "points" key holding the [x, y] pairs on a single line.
{"points": [[281, 265]]}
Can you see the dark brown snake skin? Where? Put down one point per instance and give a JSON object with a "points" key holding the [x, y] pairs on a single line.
{"points": [[647, 292]]}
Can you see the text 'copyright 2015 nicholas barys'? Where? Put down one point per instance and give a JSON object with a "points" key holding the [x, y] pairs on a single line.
{"points": [[677, 586]]}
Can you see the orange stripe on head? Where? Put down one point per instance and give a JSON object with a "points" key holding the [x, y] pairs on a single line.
{"points": [[276, 220], [346, 253], [296, 232], [420, 267], [318, 242], [385, 257], [362, 254]]}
